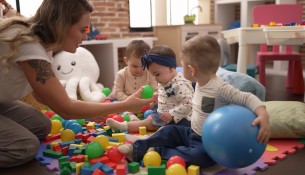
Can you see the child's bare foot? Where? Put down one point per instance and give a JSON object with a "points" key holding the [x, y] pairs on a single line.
{"points": [[126, 149], [113, 124]]}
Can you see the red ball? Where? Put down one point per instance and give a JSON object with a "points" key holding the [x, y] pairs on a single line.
{"points": [[145, 109], [49, 113], [175, 160], [112, 115], [114, 154], [118, 118]]}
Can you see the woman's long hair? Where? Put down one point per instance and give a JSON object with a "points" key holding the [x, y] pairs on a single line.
{"points": [[49, 26]]}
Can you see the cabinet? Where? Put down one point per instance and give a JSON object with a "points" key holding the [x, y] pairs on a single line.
{"points": [[176, 35], [225, 10]]}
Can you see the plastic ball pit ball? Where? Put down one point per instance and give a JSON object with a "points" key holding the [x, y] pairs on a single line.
{"points": [[147, 92], [175, 160], [67, 135], [229, 137], [152, 158], [114, 154], [106, 91], [176, 169], [94, 150], [56, 126]]}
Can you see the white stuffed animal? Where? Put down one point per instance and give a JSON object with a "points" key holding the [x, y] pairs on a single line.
{"points": [[78, 72]]}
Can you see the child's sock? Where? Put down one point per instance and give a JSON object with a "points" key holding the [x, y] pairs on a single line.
{"points": [[133, 138], [133, 117], [126, 149], [122, 126]]}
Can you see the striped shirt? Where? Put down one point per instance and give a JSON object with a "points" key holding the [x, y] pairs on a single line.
{"points": [[217, 93]]}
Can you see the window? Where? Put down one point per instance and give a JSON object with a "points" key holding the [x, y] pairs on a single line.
{"points": [[177, 9], [26, 9], [140, 15]]}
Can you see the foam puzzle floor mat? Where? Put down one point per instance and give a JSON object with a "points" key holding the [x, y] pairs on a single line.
{"points": [[276, 150]]}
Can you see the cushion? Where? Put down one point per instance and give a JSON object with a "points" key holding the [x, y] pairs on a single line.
{"points": [[287, 119]]}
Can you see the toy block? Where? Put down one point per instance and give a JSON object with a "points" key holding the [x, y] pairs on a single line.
{"points": [[100, 132], [91, 131], [52, 137], [98, 172], [78, 140], [121, 169], [103, 159], [71, 150], [51, 153], [133, 167], [142, 130], [90, 125], [113, 144], [98, 165], [79, 158], [87, 164], [76, 145], [156, 170], [90, 139], [77, 152], [65, 171], [111, 164], [119, 136], [52, 144], [57, 148], [106, 169], [86, 171], [85, 137], [78, 167], [111, 139], [193, 170], [78, 136], [68, 143], [73, 166], [64, 150]]}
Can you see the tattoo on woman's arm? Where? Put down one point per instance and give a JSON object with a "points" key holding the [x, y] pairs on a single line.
{"points": [[43, 70]]}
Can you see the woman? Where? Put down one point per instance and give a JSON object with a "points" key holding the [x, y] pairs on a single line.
{"points": [[26, 47]]}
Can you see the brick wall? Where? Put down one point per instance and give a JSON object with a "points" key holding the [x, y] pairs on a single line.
{"points": [[111, 17]]}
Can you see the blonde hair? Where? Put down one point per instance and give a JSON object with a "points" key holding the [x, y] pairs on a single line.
{"points": [[49, 26], [203, 52], [137, 48]]}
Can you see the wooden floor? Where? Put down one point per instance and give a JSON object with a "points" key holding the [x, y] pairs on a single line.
{"points": [[276, 91]]}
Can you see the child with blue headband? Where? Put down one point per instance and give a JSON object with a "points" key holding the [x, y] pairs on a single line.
{"points": [[174, 93]]}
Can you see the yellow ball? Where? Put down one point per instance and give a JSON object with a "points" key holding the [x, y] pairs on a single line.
{"points": [[67, 135], [175, 169], [102, 140], [152, 158], [56, 126]]}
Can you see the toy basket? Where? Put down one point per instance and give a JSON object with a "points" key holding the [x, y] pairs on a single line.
{"points": [[285, 35]]}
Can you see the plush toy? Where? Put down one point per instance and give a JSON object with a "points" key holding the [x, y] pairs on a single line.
{"points": [[78, 72]]}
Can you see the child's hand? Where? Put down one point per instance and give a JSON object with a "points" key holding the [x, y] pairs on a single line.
{"points": [[263, 121], [166, 117], [135, 103]]}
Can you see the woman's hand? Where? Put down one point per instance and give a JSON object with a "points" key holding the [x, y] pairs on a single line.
{"points": [[135, 103]]}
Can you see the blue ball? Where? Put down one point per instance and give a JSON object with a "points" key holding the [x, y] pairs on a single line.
{"points": [[147, 113], [75, 127], [229, 137], [69, 122]]}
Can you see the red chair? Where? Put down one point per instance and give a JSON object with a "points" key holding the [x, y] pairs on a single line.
{"points": [[280, 13]]}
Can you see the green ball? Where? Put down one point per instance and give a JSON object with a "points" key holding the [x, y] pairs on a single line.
{"points": [[94, 150], [57, 117], [106, 91], [147, 92], [81, 121], [126, 118]]}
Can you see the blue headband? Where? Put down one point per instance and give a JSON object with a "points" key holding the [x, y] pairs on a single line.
{"points": [[158, 59]]}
